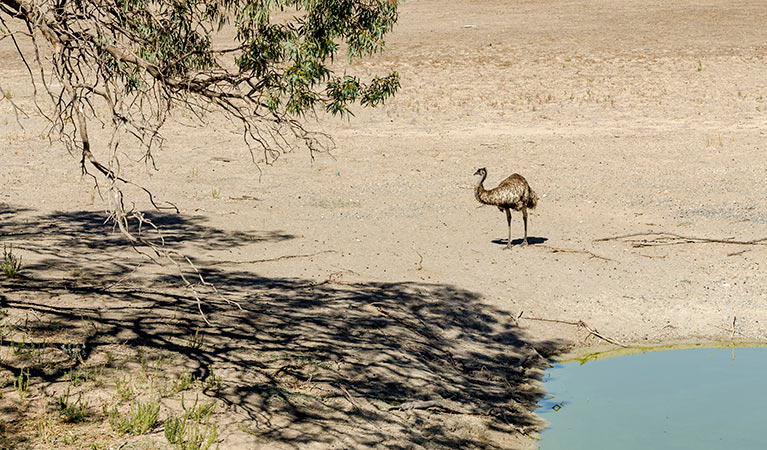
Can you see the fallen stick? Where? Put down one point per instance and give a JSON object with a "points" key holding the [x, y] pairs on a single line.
{"points": [[425, 404], [680, 239], [442, 404], [583, 325], [569, 250], [349, 397], [110, 286], [279, 258]]}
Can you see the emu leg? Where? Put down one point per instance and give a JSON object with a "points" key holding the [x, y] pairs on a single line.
{"points": [[508, 219], [524, 218]]}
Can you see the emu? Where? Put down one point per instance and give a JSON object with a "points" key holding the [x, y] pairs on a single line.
{"points": [[512, 193]]}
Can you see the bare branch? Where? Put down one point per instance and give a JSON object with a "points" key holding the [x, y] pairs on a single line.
{"points": [[583, 325], [654, 239]]}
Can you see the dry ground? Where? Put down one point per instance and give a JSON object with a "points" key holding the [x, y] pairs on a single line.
{"points": [[372, 278]]}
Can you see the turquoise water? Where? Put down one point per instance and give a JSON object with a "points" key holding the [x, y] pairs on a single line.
{"points": [[699, 399]]}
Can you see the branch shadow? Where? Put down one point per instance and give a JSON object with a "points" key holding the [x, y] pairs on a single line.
{"points": [[302, 363], [89, 230]]}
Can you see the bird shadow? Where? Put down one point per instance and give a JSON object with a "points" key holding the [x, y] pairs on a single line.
{"points": [[531, 240]]}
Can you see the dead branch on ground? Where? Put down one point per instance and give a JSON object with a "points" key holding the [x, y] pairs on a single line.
{"points": [[731, 329], [420, 260], [333, 279], [446, 406], [568, 250], [128, 275], [279, 258], [655, 239], [349, 397], [583, 325], [442, 404]]}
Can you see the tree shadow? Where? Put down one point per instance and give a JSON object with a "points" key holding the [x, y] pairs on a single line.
{"points": [[302, 363], [83, 230]]}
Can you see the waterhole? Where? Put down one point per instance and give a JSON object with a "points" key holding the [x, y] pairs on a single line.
{"points": [[702, 399]]}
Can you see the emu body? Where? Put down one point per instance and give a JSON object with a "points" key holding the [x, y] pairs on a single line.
{"points": [[512, 193]]}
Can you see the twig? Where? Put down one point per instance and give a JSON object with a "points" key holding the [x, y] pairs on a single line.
{"points": [[110, 286], [675, 239], [505, 419], [730, 330], [279, 258], [416, 405], [568, 250], [332, 279], [443, 404], [519, 363], [651, 256], [583, 325], [349, 397], [532, 349]]}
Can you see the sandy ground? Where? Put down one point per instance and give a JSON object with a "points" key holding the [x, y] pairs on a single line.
{"points": [[643, 119]]}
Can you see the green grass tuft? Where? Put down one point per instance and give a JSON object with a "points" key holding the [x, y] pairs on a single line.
{"points": [[142, 418], [72, 412], [11, 264]]}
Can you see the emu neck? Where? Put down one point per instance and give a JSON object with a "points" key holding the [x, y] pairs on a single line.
{"points": [[479, 190]]}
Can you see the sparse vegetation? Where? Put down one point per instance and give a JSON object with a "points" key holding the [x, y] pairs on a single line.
{"points": [[79, 375], [11, 265], [124, 389], [21, 382], [186, 434], [141, 418], [184, 382], [714, 141], [72, 412], [196, 340], [22, 348], [194, 430], [213, 383], [75, 352]]}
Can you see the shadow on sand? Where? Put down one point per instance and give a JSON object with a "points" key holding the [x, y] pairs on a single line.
{"points": [[531, 240], [302, 362]]}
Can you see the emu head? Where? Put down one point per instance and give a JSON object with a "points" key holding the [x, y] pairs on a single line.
{"points": [[481, 172]]}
